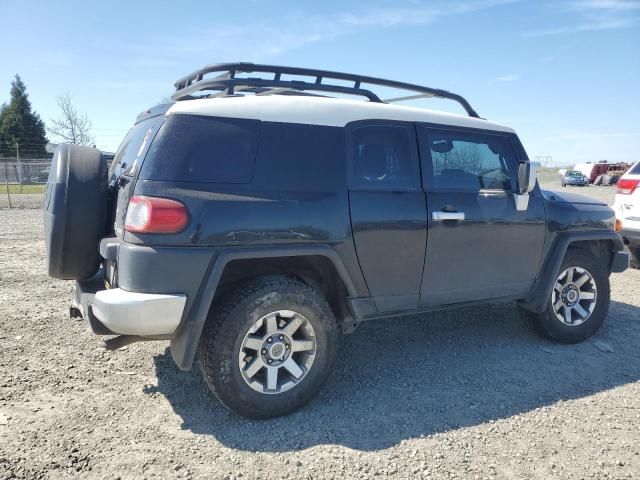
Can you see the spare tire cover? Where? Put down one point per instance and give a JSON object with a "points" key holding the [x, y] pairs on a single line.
{"points": [[75, 211]]}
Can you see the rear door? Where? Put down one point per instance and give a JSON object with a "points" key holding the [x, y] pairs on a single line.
{"points": [[388, 210], [480, 247]]}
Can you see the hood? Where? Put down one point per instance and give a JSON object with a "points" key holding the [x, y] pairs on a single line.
{"points": [[575, 198]]}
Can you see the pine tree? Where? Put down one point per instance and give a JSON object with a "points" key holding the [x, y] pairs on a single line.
{"points": [[21, 128]]}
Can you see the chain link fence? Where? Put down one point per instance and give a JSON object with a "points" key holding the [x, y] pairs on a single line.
{"points": [[23, 182]]}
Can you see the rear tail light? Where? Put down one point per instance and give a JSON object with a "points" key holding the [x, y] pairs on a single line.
{"points": [[155, 215], [626, 186]]}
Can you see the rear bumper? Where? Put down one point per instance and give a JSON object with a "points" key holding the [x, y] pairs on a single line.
{"points": [[144, 314], [119, 312]]}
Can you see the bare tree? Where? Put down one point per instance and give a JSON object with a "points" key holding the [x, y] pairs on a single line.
{"points": [[71, 126]]}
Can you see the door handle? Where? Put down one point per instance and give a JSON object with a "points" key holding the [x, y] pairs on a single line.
{"points": [[439, 216]]}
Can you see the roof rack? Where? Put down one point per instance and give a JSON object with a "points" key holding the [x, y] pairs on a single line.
{"points": [[227, 84]]}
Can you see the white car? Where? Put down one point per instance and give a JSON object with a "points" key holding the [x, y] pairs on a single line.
{"points": [[627, 208]]}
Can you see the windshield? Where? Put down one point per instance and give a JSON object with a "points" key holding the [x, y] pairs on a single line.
{"points": [[574, 173]]}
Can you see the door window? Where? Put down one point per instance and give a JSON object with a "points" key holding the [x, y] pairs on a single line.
{"points": [[470, 161], [384, 157]]}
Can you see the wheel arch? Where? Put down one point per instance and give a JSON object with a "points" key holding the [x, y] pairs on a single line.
{"points": [[311, 264], [600, 243]]}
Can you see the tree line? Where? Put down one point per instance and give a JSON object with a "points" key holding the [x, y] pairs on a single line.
{"points": [[23, 133]]}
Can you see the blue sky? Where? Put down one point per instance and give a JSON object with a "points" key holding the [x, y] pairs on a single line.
{"points": [[564, 74]]}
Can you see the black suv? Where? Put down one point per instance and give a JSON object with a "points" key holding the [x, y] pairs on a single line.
{"points": [[256, 217]]}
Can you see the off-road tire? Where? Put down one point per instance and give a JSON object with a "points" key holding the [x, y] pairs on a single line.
{"points": [[634, 261], [75, 211], [230, 319], [547, 324]]}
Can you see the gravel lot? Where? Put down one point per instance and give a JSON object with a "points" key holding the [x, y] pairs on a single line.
{"points": [[462, 394], [21, 201]]}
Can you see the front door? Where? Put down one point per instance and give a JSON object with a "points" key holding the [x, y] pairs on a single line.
{"points": [[479, 247], [388, 211]]}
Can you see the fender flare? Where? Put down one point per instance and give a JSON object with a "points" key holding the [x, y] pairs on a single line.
{"points": [[184, 342], [550, 269]]}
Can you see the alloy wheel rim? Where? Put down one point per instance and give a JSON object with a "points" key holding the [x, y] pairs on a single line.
{"points": [[277, 352], [574, 296]]}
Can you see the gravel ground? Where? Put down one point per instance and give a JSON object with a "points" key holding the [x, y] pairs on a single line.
{"points": [[461, 394], [21, 201]]}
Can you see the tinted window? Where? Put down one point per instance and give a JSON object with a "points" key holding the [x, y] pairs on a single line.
{"points": [[383, 157], [132, 148], [190, 148], [300, 157], [469, 160], [636, 169]]}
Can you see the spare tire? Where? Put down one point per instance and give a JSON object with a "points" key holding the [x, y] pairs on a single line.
{"points": [[75, 211]]}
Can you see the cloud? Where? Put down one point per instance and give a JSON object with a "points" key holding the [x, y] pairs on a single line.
{"points": [[418, 14], [555, 55], [594, 15], [510, 77], [258, 39], [594, 25], [619, 5]]}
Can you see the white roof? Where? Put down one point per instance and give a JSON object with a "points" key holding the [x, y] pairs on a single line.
{"points": [[336, 112]]}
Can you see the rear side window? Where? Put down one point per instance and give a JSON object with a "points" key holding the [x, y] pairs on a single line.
{"points": [[470, 161], [384, 156], [635, 169], [304, 158], [192, 148], [132, 148]]}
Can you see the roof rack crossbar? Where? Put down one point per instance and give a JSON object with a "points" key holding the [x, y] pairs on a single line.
{"points": [[228, 81]]}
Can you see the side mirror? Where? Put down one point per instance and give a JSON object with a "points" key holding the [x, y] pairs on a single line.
{"points": [[527, 177]]}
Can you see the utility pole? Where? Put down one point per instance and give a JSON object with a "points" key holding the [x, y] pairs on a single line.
{"points": [[19, 165], [6, 182]]}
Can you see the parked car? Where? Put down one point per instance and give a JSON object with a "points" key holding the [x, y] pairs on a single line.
{"points": [[602, 170], [40, 175], [627, 208], [574, 177], [250, 227]]}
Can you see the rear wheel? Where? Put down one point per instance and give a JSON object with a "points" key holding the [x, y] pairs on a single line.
{"points": [[268, 348], [579, 301]]}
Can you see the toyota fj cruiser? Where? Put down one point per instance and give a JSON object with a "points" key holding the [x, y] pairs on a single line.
{"points": [[257, 216]]}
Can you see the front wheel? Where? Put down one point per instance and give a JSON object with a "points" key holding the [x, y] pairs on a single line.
{"points": [[579, 301], [268, 347], [635, 257]]}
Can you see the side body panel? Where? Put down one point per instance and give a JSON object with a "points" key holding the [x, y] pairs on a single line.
{"points": [[297, 196]]}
